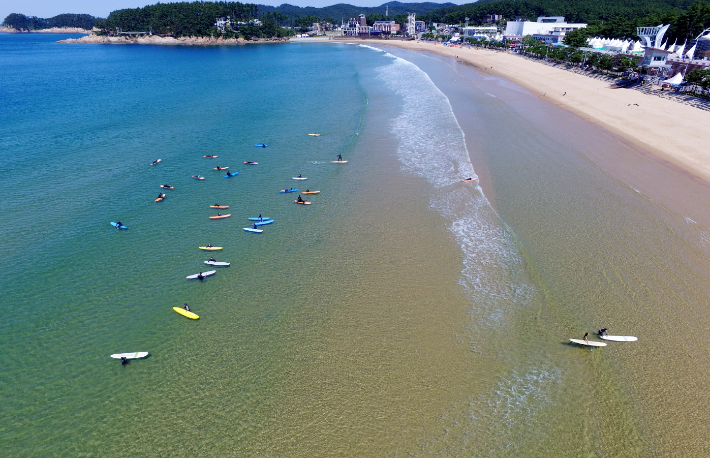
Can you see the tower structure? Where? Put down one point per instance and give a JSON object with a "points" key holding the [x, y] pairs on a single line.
{"points": [[411, 24], [652, 37]]}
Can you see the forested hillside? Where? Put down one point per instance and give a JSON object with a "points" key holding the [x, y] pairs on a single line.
{"points": [[344, 11], [22, 22], [611, 18]]}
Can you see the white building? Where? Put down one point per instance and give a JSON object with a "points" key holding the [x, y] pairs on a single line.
{"points": [[549, 29], [479, 32]]}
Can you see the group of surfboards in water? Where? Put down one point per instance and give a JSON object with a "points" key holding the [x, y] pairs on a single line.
{"points": [[201, 276]]}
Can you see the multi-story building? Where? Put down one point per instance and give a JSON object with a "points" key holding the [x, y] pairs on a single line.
{"points": [[548, 29]]}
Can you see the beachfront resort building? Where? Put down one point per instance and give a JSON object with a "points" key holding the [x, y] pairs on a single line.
{"points": [[548, 29], [385, 27], [479, 33], [356, 27]]}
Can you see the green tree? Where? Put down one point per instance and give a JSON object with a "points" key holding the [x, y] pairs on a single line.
{"points": [[576, 38]]}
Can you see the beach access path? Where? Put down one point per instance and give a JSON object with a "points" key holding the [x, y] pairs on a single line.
{"points": [[674, 132]]}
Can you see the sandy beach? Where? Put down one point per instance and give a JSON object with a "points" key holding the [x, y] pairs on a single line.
{"points": [[672, 131]]}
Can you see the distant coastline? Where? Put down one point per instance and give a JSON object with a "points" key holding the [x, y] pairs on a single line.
{"points": [[4, 29], [157, 40]]}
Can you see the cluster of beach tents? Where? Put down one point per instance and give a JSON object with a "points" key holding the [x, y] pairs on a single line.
{"points": [[635, 47]]}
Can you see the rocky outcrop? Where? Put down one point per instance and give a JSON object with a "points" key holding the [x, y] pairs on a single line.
{"points": [[156, 40]]}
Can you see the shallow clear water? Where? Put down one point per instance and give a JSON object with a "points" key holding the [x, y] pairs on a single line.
{"points": [[401, 313]]}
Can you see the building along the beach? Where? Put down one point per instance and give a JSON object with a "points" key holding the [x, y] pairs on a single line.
{"points": [[385, 27], [550, 29], [479, 32]]}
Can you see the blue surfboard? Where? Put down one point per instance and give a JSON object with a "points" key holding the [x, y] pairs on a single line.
{"points": [[230, 175], [114, 224], [289, 190], [261, 145], [256, 218], [262, 223]]}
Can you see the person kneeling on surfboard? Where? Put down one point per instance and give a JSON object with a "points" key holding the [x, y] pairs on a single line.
{"points": [[187, 307], [603, 331], [124, 361]]}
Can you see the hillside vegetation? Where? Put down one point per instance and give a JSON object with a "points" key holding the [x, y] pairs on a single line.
{"points": [[22, 22]]}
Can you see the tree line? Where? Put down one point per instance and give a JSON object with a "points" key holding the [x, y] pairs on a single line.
{"points": [[194, 19], [22, 22], [608, 18]]}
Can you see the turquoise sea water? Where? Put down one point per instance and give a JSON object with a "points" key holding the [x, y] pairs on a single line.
{"points": [[399, 314]]}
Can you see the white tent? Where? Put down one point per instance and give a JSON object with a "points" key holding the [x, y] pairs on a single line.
{"points": [[690, 52], [677, 79]]}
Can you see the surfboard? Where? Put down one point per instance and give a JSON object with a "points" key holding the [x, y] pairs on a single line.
{"points": [[219, 206], [167, 186], [261, 145], [221, 216], [620, 338], [251, 229], [160, 198], [217, 263], [469, 179], [134, 355], [197, 177], [230, 175], [302, 203], [251, 162], [221, 168], [186, 313], [256, 218], [115, 224], [314, 135], [591, 343], [311, 192], [210, 248], [156, 162], [204, 274], [340, 162], [299, 178], [265, 222], [209, 156], [289, 190]]}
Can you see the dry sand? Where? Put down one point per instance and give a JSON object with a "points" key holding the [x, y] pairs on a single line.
{"points": [[673, 131]]}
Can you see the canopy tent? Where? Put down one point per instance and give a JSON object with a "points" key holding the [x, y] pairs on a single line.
{"points": [[676, 80]]}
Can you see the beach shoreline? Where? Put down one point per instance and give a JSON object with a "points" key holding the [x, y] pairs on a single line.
{"points": [[669, 130]]}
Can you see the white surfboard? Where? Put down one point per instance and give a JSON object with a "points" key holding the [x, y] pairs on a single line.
{"points": [[204, 274], [217, 264], [136, 355], [299, 178], [620, 338], [591, 343]]}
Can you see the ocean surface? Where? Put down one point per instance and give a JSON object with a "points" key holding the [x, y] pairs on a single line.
{"points": [[403, 313]]}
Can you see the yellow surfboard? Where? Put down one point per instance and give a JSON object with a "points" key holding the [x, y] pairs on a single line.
{"points": [[184, 312], [211, 248]]}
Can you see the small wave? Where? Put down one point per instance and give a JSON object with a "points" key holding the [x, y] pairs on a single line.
{"points": [[690, 221]]}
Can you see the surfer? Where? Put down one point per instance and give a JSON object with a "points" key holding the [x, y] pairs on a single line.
{"points": [[255, 226], [200, 276], [340, 157], [219, 214], [308, 190], [603, 331], [299, 175], [263, 145], [209, 245], [260, 218], [586, 337], [119, 224], [211, 260], [299, 198], [187, 307], [124, 360]]}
